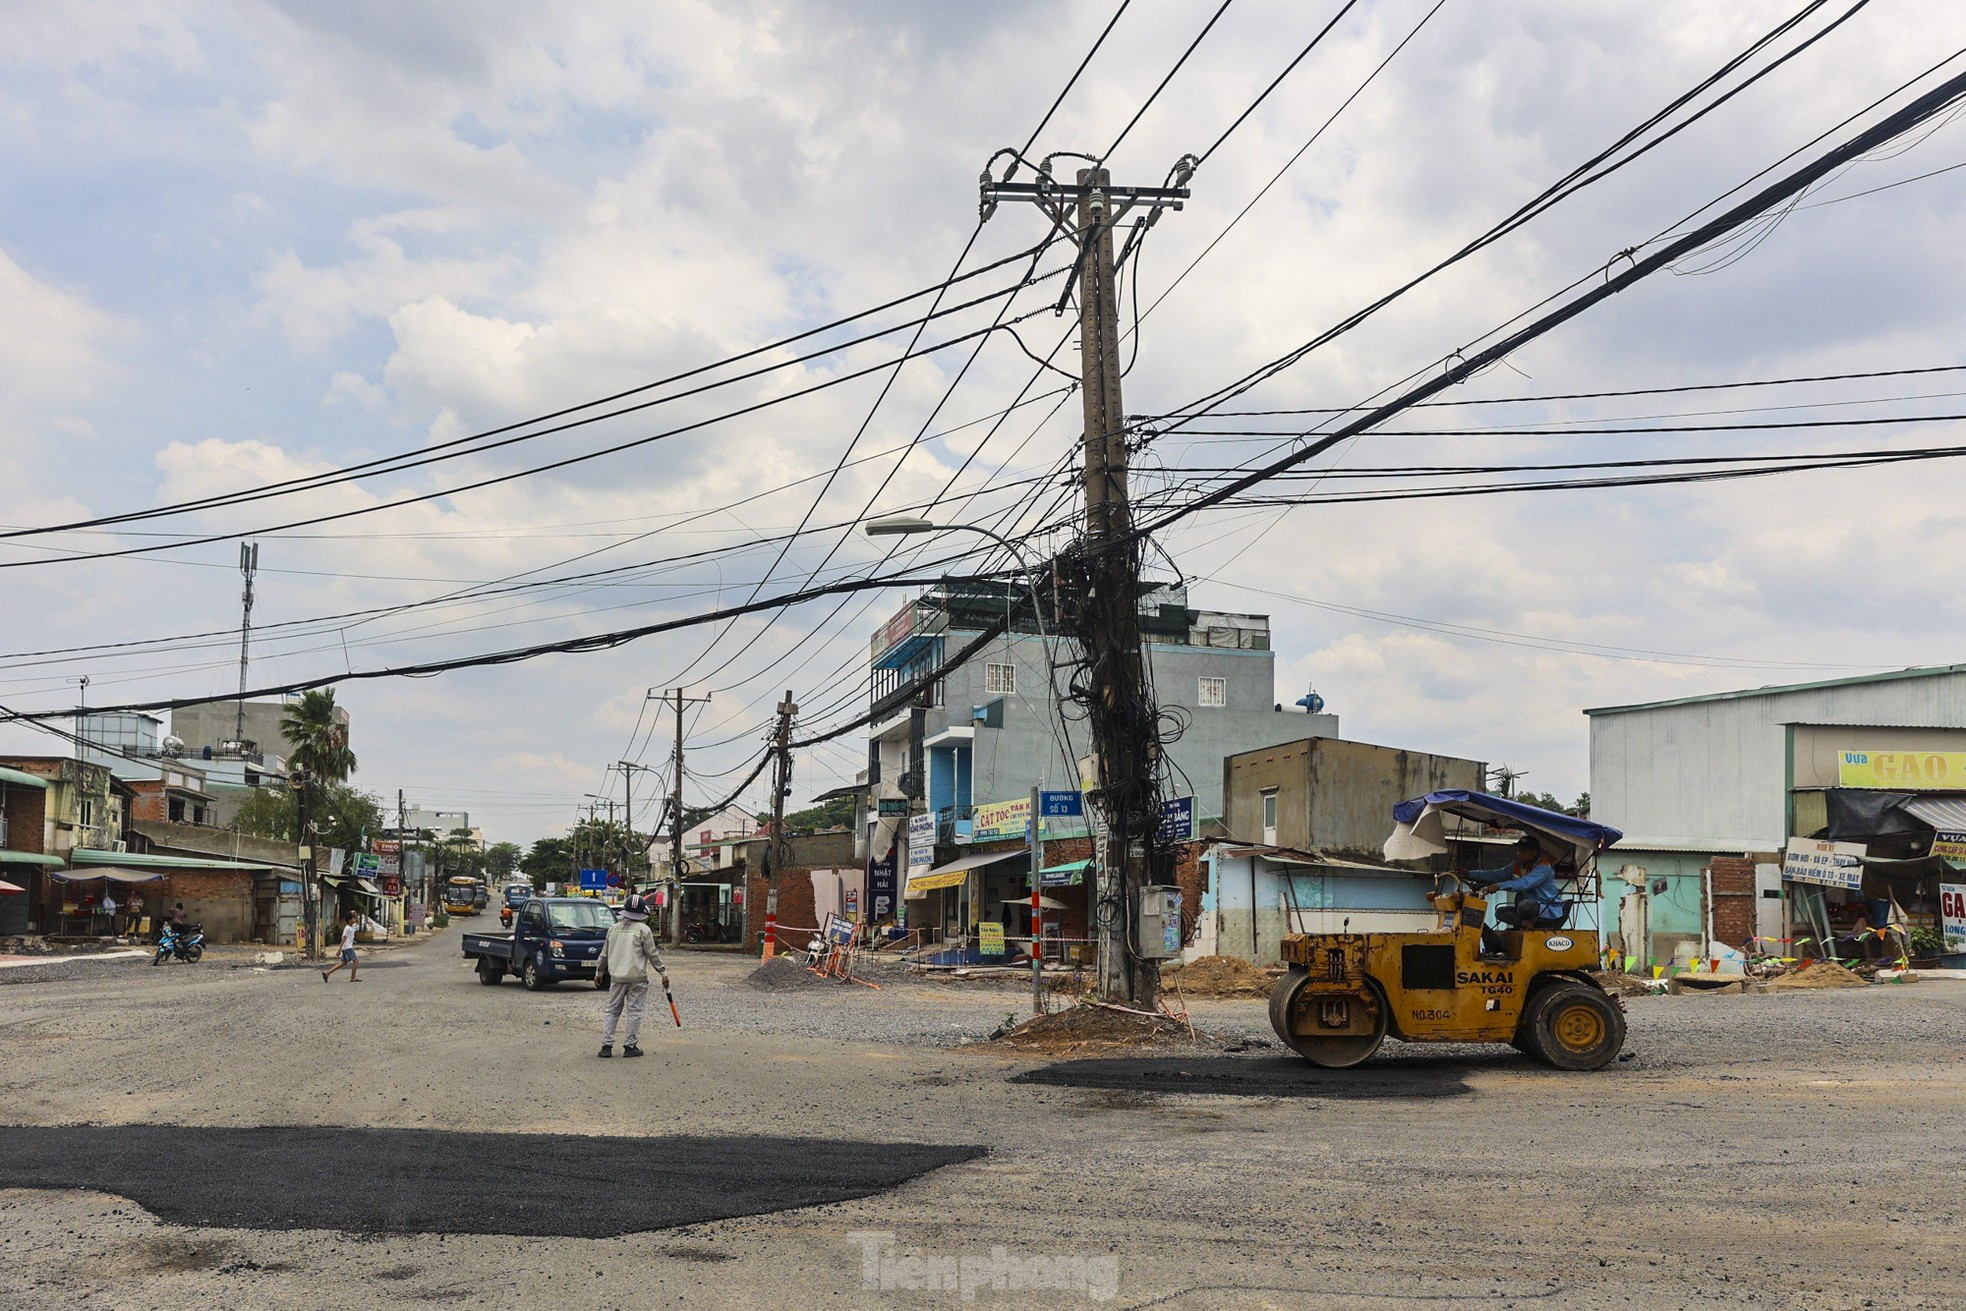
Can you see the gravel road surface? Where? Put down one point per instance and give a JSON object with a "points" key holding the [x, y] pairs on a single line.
{"points": [[1786, 1150]]}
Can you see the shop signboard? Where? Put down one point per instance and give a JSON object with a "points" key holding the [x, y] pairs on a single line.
{"points": [[1825, 864], [921, 842], [881, 886], [391, 885], [1949, 845], [1952, 916], [1902, 771], [389, 857], [893, 807], [989, 940], [1002, 819]]}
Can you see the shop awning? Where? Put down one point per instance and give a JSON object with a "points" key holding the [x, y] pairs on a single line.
{"points": [[109, 872], [1944, 813], [28, 858], [949, 875], [1061, 876], [9, 889], [86, 856], [23, 778]]}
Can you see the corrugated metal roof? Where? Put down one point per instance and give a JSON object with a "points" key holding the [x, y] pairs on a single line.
{"points": [[1927, 671], [85, 856], [1948, 813], [23, 778]]}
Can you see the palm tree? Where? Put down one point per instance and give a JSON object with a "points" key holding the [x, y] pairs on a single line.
{"points": [[319, 736], [320, 755]]}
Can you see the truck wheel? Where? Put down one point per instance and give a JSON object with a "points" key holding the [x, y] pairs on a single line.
{"points": [[532, 978], [1574, 1027], [488, 973], [1336, 1051]]}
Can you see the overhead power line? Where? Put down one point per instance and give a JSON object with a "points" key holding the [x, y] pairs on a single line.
{"points": [[1920, 110]]}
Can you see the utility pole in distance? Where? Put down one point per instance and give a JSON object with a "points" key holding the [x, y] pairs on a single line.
{"points": [[1123, 718], [781, 787], [676, 870], [628, 821]]}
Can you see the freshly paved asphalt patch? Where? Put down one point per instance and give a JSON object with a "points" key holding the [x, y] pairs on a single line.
{"points": [[1243, 1076], [414, 1181]]}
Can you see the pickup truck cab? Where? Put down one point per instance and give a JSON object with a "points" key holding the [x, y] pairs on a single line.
{"points": [[552, 938]]}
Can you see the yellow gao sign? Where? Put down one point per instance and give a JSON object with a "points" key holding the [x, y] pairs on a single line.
{"points": [[1906, 770]]}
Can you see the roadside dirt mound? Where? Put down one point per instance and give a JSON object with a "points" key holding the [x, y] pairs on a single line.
{"points": [[1221, 976], [1823, 974], [782, 974], [1619, 984], [1097, 1028]]}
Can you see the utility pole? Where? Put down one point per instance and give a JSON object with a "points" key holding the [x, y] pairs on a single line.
{"points": [[674, 908], [248, 565], [310, 898], [781, 787], [628, 821], [1123, 718]]}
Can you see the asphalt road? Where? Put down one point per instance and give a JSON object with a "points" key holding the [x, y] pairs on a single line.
{"points": [[1789, 1150]]}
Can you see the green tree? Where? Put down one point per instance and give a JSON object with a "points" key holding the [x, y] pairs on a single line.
{"points": [[461, 854], [502, 860], [320, 738], [343, 815], [826, 815], [549, 861]]}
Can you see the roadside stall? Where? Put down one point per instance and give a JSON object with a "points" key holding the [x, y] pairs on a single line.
{"points": [[95, 901]]}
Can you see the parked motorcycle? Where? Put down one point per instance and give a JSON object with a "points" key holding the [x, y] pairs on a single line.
{"points": [[187, 944]]}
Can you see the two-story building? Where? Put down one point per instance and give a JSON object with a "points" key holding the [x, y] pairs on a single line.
{"points": [[982, 735]]}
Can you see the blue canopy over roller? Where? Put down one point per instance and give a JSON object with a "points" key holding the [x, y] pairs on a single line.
{"points": [[1422, 826]]}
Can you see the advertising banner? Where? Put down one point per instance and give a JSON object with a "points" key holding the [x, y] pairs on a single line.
{"points": [[1952, 916], [1825, 864], [1002, 819], [921, 841], [881, 886], [1902, 771]]}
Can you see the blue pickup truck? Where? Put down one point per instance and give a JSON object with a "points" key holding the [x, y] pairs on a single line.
{"points": [[552, 938]]}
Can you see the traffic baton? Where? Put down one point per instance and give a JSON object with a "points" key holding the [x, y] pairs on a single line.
{"points": [[671, 998]]}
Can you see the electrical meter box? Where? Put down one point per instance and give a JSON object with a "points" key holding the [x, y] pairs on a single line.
{"points": [[1160, 923]]}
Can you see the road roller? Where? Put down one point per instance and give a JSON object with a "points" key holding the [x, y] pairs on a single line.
{"points": [[1345, 993]]}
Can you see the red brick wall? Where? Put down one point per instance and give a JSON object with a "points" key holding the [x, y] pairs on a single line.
{"points": [[1733, 899], [795, 907], [221, 900], [149, 802]]}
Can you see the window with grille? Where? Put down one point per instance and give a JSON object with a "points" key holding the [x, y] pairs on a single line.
{"points": [[999, 680], [1212, 692]]}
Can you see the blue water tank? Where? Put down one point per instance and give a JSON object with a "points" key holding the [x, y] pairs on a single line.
{"points": [[1313, 703]]}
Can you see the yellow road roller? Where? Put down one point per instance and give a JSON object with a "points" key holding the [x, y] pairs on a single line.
{"points": [[1528, 985]]}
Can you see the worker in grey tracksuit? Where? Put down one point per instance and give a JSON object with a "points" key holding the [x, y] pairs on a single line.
{"points": [[629, 955]]}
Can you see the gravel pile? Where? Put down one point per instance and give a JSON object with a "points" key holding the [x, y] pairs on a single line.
{"points": [[62, 968]]}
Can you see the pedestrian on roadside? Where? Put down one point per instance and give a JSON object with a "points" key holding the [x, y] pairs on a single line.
{"points": [[109, 909], [627, 957], [134, 909], [347, 951]]}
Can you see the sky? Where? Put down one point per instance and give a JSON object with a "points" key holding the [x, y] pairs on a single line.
{"points": [[242, 243]]}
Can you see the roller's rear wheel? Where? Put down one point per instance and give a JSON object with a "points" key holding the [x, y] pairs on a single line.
{"points": [[1574, 1027], [1335, 1051]]}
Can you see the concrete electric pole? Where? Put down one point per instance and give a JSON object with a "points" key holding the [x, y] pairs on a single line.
{"points": [[781, 787], [1123, 719], [676, 865]]}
